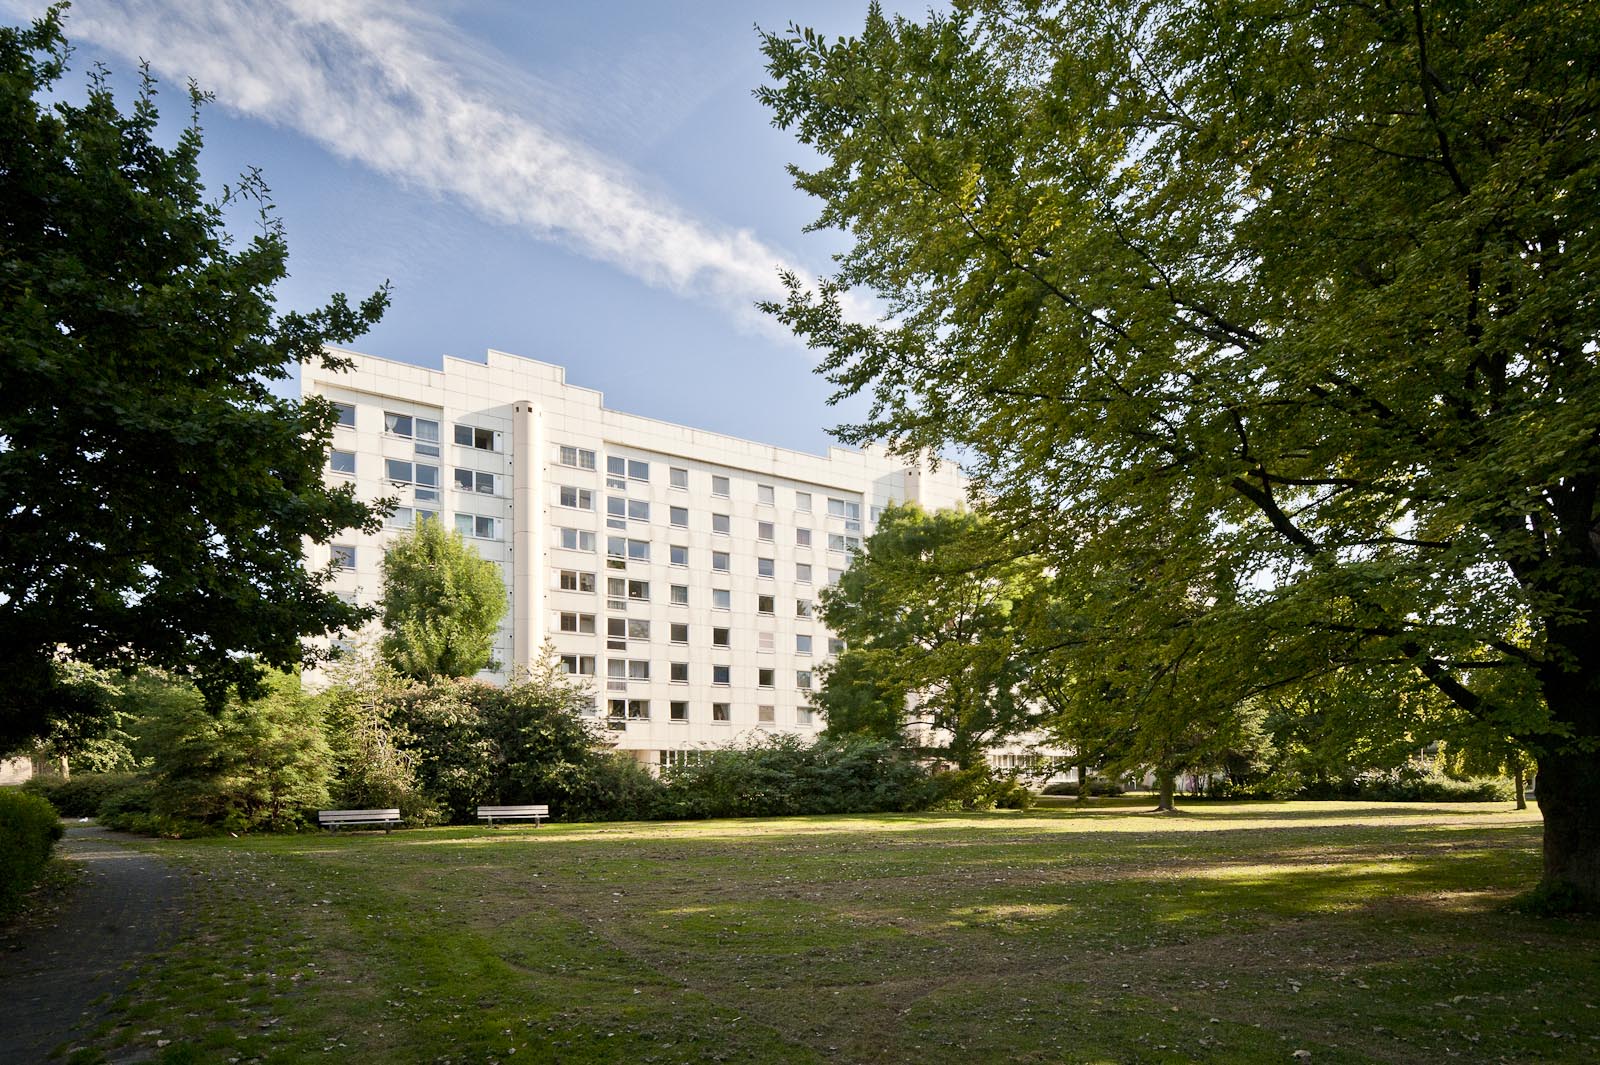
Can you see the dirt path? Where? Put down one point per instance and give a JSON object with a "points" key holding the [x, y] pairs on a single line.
{"points": [[57, 979]]}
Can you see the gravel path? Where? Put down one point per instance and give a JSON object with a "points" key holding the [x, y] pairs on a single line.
{"points": [[57, 979]]}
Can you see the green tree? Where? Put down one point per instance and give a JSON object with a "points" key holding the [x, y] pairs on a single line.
{"points": [[1295, 292], [155, 496], [926, 608], [441, 604], [256, 763]]}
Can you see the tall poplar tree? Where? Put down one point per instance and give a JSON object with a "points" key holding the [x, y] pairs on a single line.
{"points": [[1295, 298], [441, 604]]}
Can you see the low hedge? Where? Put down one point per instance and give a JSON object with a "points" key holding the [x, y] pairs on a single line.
{"points": [[29, 828], [83, 794]]}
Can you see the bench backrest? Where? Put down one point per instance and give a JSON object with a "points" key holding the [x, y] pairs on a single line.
{"points": [[513, 811], [326, 816]]}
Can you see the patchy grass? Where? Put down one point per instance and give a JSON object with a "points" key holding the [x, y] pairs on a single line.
{"points": [[1232, 933]]}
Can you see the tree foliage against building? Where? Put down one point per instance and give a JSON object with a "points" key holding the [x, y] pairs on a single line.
{"points": [[441, 604], [926, 610], [155, 495], [1296, 300]]}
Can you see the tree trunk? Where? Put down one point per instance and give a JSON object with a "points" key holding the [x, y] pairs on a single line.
{"points": [[1164, 782], [1083, 782], [1519, 782], [1569, 799]]}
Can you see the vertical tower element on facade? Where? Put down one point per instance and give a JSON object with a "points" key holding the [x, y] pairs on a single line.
{"points": [[527, 541]]}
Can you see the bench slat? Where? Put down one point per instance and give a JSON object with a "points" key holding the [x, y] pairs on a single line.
{"points": [[537, 812]]}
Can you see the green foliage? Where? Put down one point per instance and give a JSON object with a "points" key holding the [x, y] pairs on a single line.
{"points": [[980, 788], [927, 608], [83, 726], [376, 761], [782, 775], [155, 495], [441, 604], [1098, 785], [256, 764], [29, 829], [82, 794], [1271, 323]]}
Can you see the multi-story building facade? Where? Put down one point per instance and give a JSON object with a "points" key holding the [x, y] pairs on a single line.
{"points": [[676, 568]]}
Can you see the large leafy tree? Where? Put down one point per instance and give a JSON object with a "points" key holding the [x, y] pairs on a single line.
{"points": [[155, 496], [441, 604], [1296, 298], [926, 608]]}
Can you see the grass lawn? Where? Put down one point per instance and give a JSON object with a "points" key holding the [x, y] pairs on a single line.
{"points": [[1231, 933]]}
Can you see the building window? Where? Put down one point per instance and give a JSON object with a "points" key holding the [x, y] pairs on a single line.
{"points": [[616, 472], [721, 599], [580, 458], [765, 604], [766, 567], [638, 471], [342, 462], [719, 486], [579, 623], [573, 580], [802, 715], [720, 524], [802, 608], [677, 477], [802, 537], [841, 542], [678, 516], [680, 632], [576, 498], [397, 424], [802, 644], [344, 556], [679, 672], [765, 678], [638, 669], [577, 540], [427, 437], [344, 415], [835, 575], [617, 547], [480, 526], [719, 561], [678, 711], [679, 595], [400, 519], [721, 637], [631, 709], [638, 629], [802, 572], [764, 530], [764, 641], [721, 675], [766, 715], [482, 439], [616, 512], [721, 712], [617, 633], [802, 502], [639, 550], [678, 555], [802, 679], [638, 510], [764, 495], [488, 484], [397, 471], [578, 665], [846, 509], [835, 645]]}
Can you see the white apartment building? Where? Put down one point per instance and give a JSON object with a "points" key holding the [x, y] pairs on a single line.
{"points": [[677, 568]]}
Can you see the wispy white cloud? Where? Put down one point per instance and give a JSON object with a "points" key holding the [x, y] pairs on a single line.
{"points": [[395, 88]]}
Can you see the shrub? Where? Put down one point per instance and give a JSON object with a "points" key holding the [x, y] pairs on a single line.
{"points": [[81, 795], [1097, 786], [29, 829], [783, 775], [979, 788]]}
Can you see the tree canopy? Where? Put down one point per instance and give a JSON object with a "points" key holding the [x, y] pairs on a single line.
{"points": [[1295, 299], [155, 495], [926, 609], [441, 604]]}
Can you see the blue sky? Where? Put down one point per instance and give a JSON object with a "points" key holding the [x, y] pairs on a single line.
{"points": [[588, 184]]}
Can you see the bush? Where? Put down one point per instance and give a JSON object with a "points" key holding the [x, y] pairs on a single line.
{"points": [[783, 775], [29, 828], [979, 788], [81, 795], [1097, 786], [1407, 784]]}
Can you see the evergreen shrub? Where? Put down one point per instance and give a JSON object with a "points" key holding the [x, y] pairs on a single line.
{"points": [[29, 829]]}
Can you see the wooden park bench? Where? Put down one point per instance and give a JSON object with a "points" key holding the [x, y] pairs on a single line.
{"points": [[333, 819], [535, 814]]}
